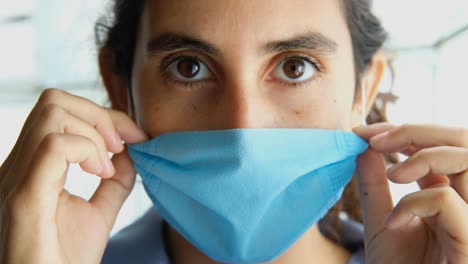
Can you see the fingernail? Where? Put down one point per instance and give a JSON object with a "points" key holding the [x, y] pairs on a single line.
{"points": [[392, 170], [379, 138], [110, 167], [118, 141], [142, 134]]}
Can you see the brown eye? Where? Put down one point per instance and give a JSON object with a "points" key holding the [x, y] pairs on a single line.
{"points": [[295, 69], [188, 68]]}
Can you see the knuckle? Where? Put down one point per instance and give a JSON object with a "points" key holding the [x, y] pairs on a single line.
{"points": [[97, 139], [105, 114], [50, 95], [52, 143], [13, 203], [422, 154], [405, 128], [52, 112], [445, 195], [422, 157], [405, 200]]}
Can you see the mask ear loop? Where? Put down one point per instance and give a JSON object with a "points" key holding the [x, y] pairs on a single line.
{"points": [[364, 104]]}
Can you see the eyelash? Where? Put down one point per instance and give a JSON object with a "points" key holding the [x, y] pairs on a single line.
{"points": [[197, 84], [318, 67], [167, 76]]}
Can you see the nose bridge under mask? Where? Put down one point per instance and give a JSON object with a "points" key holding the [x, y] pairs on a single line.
{"points": [[244, 106], [227, 191]]}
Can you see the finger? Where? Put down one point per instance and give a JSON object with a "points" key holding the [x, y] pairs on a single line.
{"points": [[443, 203], [374, 192], [433, 161], [55, 119], [370, 131], [112, 193], [47, 172], [104, 120], [126, 127], [409, 151], [115, 126], [432, 180], [419, 136], [79, 107], [82, 108]]}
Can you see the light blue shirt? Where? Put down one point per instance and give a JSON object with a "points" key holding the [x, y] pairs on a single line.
{"points": [[142, 242]]}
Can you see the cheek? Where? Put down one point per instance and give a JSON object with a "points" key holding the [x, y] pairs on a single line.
{"points": [[326, 112], [161, 109], [343, 83], [343, 98], [343, 104], [326, 104]]}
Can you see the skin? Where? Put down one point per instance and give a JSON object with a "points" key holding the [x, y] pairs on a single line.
{"points": [[49, 225]]}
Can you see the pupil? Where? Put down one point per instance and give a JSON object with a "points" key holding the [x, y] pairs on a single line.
{"points": [[294, 68], [188, 68]]}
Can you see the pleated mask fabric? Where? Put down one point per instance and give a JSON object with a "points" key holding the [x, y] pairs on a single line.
{"points": [[246, 195]]}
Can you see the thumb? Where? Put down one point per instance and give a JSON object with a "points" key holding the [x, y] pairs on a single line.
{"points": [[112, 193], [374, 192]]}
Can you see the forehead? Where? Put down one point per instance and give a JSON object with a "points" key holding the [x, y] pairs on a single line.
{"points": [[242, 23]]}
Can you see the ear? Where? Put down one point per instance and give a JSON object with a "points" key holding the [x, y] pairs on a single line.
{"points": [[115, 85], [370, 82]]}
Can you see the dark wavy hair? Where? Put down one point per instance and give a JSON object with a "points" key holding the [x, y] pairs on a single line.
{"points": [[117, 32]]}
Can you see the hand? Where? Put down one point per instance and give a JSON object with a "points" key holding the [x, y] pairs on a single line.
{"points": [[40, 221], [428, 226]]}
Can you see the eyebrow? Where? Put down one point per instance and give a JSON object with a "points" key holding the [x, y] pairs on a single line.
{"points": [[313, 41], [173, 41]]}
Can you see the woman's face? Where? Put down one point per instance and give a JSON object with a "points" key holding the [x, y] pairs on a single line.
{"points": [[210, 64]]}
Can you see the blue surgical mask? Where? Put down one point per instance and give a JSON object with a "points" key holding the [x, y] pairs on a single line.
{"points": [[246, 195]]}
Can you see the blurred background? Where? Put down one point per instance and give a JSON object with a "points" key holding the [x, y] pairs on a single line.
{"points": [[50, 43]]}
